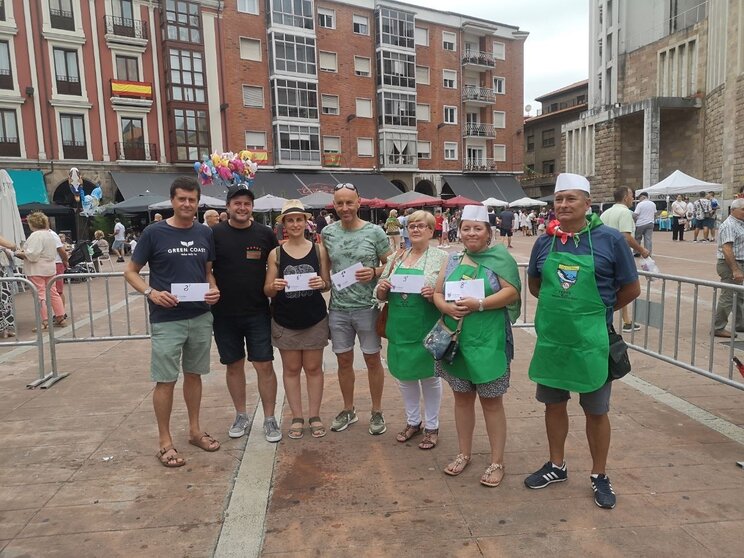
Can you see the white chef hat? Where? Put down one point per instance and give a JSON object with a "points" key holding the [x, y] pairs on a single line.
{"points": [[570, 181], [474, 213]]}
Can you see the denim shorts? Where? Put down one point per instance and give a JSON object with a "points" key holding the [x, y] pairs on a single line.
{"points": [[237, 336], [346, 325], [594, 403], [181, 345]]}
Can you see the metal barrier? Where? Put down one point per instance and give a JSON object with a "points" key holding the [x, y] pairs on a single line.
{"points": [[38, 342]]}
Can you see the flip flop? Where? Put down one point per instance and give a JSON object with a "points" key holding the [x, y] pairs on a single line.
{"points": [[171, 461], [458, 465], [205, 445]]}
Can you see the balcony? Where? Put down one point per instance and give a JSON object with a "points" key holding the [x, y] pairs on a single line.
{"points": [[478, 95], [62, 19], [534, 180], [135, 151], [9, 147], [399, 160], [477, 59], [74, 149], [68, 85], [125, 28], [479, 130], [479, 164]]}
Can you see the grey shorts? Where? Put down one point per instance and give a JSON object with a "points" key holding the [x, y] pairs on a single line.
{"points": [[346, 325], [181, 345], [594, 403]]}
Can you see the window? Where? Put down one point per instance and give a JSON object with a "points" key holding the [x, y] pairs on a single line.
{"points": [[360, 25], [397, 69], [132, 130], [362, 66], [449, 79], [422, 75], [398, 149], [326, 18], [423, 113], [250, 49], [328, 61], [331, 144], [531, 168], [450, 151], [421, 36], [299, 143], [499, 153], [396, 109], [548, 138], [294, 13], [295, 99], [10, 145], [530, 143], [364, 108], [499, 119], [66, 70], [248, 6], [127, 68], [2, 11], [253, 96], [294, 54], [183, 22], [330, 104], [365, 147], [186, 75], [133, 146], [449, 41], [450, 115], [499, 50], [61, 15], [255, 140], [6, 72], [424, 150], [72, 130], [125, 10], [548, 167], [191, 132], [499, 85], [396, 28]]}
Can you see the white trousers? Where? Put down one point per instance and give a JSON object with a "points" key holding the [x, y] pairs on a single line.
{"points": [[432, 391]]}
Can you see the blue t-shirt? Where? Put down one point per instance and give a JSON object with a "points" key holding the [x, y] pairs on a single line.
{"points": [[175, 256], [613, 262]]}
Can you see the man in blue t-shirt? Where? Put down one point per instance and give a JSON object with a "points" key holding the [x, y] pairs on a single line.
{"points": [[580, 271], [180, 252]]}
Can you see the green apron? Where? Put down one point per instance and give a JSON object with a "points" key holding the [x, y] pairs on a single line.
{"points": [[482, 354], [410, 318], [572, 345]]}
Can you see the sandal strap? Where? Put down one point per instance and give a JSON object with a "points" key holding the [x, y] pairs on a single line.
{"points": [[494, 467], [298, 420], [314, 419], [432, 431]]}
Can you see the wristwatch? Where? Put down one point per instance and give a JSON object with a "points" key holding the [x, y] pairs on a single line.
{"points": [[147, 292], [480, 305]]}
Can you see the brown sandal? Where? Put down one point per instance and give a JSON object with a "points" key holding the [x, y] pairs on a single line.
{"points": [[44, 326], [431, 437], [296, 432], [409, 432], [317, 430], [458, 465], [205, 442], [486, 478], [171, 461]]}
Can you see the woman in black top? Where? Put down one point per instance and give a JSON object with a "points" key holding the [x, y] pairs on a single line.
{"points": [[299, 326]]}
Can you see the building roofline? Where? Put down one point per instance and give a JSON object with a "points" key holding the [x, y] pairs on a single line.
{"points": [[578, 108], [577, 85]]}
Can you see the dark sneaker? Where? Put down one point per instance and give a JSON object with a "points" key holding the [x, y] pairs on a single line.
{"points": [[548, 474], [343, 420], [377, 423], [627, 328], [604, 496]]}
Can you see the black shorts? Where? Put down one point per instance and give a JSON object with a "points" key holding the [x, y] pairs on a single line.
{"points": [[235, 334], [506, 232], [437, 234]]}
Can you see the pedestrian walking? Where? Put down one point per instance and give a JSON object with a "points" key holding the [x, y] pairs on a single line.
{"points": [[645, 213], [730, 268]]}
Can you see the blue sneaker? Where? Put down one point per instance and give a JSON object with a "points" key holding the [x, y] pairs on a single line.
{"points": [[548, 474], [604, 496]]}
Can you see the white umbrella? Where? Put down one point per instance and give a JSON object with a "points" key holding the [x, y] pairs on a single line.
{"points": [[11, 227], [526, 202], [204, 201], [269, 203], [494, 202], [680, 183]]}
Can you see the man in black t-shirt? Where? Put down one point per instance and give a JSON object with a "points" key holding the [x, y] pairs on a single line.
{"points": [[241, 318], [179, 252]]}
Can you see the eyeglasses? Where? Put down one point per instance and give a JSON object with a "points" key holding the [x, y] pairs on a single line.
{"points": [[417, 226], [347, 185]]}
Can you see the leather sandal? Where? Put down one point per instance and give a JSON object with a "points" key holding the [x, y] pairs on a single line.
{"points": [[296, 432], [431, 437], [317, 430], [170, 461], [458, 465], [486, 478], [409, 432], [205, 442]]}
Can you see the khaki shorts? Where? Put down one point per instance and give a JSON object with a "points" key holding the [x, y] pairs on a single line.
{"points": [[181, 345], [309, 339]]}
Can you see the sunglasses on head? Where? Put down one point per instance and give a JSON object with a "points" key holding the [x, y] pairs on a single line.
{"points": [[347, 185]]}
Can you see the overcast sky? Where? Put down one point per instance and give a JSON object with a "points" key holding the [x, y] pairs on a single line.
{"points": [[556, 52]]}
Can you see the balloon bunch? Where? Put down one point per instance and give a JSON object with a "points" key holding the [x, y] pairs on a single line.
{"points": [[230, 168]]}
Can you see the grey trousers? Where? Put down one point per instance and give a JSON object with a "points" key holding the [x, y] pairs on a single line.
{"points": [[726, 298], [644, 233]]}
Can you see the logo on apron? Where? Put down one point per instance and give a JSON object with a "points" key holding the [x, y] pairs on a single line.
{"points": [[567, 275]]}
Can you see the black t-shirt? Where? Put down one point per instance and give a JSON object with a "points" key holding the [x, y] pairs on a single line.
{"points": [[507, 219], [299, 309], [240, 268], [175, 256]]}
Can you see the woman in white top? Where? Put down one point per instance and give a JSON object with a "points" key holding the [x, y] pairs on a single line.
{"points": [[39, 253]]}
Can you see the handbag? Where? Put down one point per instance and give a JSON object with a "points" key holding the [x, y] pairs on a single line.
{"points": [[382, 317], [442, 342], [619, 362]]}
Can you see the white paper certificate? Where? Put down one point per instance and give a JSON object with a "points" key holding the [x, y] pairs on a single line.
{"points": [[455, 290], [189, 292], [346, 277], [406, 283], [298, 281]]}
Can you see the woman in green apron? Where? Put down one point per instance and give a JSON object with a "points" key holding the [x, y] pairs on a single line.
{"points": [[481, 365], [410, 317]]}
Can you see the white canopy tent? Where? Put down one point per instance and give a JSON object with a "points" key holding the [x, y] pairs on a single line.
{"points": [[527, 202], [680, 183], [269, 203], [495, 202], [11, 227]]}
